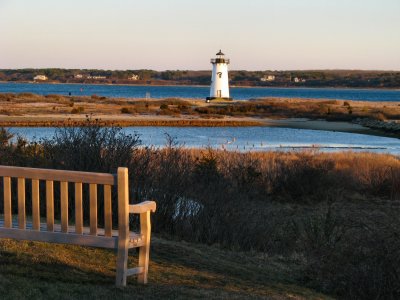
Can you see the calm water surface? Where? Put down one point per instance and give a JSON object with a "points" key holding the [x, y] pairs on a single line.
{"points": [[200, 92], [247, 138]]}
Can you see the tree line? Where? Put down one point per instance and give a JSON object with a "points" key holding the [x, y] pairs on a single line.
{"points": [[302, 78]]}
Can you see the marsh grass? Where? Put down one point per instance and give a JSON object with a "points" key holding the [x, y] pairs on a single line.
{"points": [[333, 110], [338, 211]]}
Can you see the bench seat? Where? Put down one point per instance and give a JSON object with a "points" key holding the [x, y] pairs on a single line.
{"points": [[84, 239]]}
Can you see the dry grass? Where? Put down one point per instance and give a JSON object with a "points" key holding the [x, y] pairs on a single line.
{"points": [[334, 110], [337, 210], [178, 270]]}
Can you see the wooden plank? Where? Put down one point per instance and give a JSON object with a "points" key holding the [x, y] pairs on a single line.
{"points": [[64, 206], [144, 252], [7, 202], [35, 205], [78, 208], [123, 227], [135, 239], [57, 175], [50, 205], [93, 209], [21, 204], [107, 210], [142, 207], [59, 237], [134, 271]]}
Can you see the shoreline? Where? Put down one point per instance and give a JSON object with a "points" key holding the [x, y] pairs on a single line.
{"points": [[199, 85], [63, 120], [33, 110]]}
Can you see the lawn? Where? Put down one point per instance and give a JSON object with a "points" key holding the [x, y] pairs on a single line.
{"points": [[178, 270]]}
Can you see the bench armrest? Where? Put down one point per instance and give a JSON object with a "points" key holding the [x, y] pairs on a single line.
{"points": [[142, 207]]}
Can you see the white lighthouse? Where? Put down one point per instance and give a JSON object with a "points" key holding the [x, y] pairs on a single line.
{"points": [[219, 78]]}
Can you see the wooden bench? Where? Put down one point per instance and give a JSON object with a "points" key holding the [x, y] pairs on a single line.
{"points": [[23, 228]]}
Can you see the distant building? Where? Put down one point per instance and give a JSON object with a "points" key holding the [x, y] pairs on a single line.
{"points": [[134, 77], [78, 76], [297, 80], [219, 78], [268, 78], [96, 77], [40, 77]]}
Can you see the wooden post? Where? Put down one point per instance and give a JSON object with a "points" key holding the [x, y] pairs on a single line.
{"points": [[123, 226], [144, 251], [7, 202], [78, 208], [107, 211], [93, 208], [64, 206], [35, 205], [50, 205], [21, 204]]}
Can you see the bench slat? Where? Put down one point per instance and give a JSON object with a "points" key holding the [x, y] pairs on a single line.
{"points": [[50, 205], [64, 206], [35, 204], [21, 204], [57, 175], [135, 271], [107, 210], [58, 237], [7, 202], [78, 208], [93, 209], [135, 239]]}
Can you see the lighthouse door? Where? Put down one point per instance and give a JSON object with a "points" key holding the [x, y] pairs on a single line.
{"points": [[219, 93]]}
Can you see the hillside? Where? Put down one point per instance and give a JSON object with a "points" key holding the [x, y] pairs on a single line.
{"points": [[178, 270], [289, 78]]}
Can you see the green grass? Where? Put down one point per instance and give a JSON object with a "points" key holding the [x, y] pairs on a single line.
{"points": [[178, 270]]}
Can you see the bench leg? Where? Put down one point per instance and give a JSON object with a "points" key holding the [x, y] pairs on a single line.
{"points": [[122, 263], [123, 227], [144, 251]]}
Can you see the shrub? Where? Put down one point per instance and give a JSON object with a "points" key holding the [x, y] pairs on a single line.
{"points": [[77, 110], [125, 110]]}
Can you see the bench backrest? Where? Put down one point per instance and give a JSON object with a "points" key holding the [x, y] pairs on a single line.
{"points": [[65, 178]]}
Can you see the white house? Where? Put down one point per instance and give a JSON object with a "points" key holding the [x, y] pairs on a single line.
{"points": [[134, 77], [297, 80], [40, 77], [78, 76], [268, 78]]}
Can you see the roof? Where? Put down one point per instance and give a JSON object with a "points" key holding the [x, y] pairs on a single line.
{"points": [[220, 53]]}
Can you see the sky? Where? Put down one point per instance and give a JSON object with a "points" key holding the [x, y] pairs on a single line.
{"points": [[185, 34]]}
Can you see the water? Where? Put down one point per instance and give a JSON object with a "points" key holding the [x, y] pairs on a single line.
{"points": [[200, 92], [247, 138]]}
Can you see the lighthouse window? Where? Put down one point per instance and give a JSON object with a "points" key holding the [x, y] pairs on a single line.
{"points": [[219, 74]]}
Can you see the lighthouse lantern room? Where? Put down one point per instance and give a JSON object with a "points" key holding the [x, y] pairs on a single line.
{"points": [[219, 78]]}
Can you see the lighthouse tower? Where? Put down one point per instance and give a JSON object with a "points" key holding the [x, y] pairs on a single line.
{"points": [[219, 78]]}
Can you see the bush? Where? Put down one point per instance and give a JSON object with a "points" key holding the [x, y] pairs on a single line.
{"points": [[125, 110], [77, 110]]}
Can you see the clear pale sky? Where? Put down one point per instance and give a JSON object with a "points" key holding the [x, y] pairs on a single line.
{"points": [[184, 34]]}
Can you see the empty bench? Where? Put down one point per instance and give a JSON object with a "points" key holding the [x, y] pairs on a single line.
{"points": [[22, 228]]}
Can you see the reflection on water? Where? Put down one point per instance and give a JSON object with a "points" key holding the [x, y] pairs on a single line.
{"points": [[247, 138]]}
